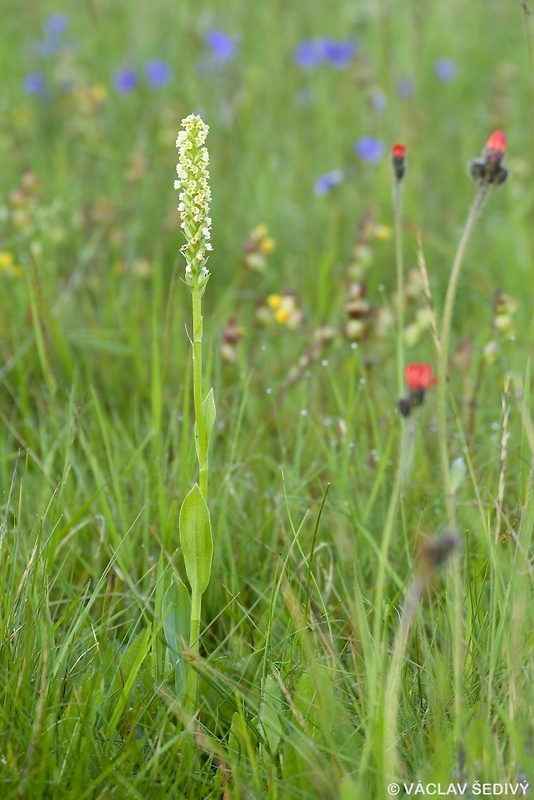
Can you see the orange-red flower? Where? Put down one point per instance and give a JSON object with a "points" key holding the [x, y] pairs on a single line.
{"points": [[419, 377], [398, 150], [496, 146]]}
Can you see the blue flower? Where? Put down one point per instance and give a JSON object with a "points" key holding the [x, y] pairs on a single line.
{"points": [[125, 80], [325, 182], [34, 83], [56, 24], [158, 73], [445, 69], [309, 53], [221, 45], [54, 27], [312, 52], [369, 149], [339, 54]]}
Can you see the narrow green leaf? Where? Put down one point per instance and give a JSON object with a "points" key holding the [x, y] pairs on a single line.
{"points": [[242, 741], [176, 616], [196, 539], [129, 667], [176, 626], [271, 724], [209, 413]]}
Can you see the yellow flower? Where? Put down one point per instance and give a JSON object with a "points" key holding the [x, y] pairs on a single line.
{"points": [[274, 301], [260, 231], [267, 244], [382, 232], [6, 260], [7, 264], [282, 315]]}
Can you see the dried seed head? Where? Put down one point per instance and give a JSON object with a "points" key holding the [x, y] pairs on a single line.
{"points": [[435, 552]]}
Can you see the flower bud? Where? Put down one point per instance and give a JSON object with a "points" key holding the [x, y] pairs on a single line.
{"points": [[398, 160]]}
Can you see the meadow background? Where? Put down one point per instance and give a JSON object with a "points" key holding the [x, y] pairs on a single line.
{"points": [[304, 101]]}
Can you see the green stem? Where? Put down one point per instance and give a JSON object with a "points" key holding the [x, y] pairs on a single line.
{"points": [[384, 550], [377, 698], [400, 285], [200, 430], [202, 455], [444, 354], [446, 324], [391, 694], [194, 646]]}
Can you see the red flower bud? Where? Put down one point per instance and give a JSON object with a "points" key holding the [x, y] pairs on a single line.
{"points": [[488, 171], [398, 159]]}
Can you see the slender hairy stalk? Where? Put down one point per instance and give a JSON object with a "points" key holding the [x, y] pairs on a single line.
{"points": [[444, 353], [398, 159], [488, 173], [398, 162], [392, 690], [444, 450], [433, 554]]}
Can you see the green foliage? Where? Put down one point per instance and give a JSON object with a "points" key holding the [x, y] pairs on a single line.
{"points": [[176, 625], [196, 539], [97, 448]]}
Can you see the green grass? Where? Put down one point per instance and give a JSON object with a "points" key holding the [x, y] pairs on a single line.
{"points": [[299, 649]]}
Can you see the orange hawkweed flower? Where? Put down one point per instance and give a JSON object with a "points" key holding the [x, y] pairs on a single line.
{"points": [[419, 378], [496, 146]]}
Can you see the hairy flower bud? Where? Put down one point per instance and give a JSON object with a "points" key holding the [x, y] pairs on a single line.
{"points": [[488, 171], [398, 160]]}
